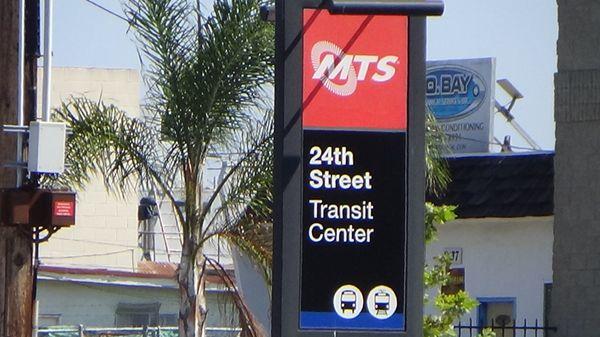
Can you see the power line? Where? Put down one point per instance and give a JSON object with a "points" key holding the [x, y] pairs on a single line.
{"points": [[108, 11], [96, 242], [87, 255], [88, 266], [130, 247]]}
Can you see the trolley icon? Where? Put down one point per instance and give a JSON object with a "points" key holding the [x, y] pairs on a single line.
{"points": [[382, 303]]}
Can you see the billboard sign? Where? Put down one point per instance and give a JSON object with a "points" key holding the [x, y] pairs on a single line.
{"points": [[354, 169], [460, 94]]}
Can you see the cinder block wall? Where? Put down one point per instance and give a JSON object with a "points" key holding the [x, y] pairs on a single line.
{"points": [[576, 259], [106, 231]]}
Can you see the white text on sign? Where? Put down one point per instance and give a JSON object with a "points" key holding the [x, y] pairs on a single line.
{"points": [[327, 180]]}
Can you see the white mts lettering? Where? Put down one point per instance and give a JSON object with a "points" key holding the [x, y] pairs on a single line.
{"points": [[328, 66], [365, 61], [386, 68]]}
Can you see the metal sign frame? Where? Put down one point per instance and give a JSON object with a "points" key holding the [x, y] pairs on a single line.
{"points": [[288, 173]]}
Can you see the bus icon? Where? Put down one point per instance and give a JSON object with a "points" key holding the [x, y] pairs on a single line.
{"points": [[348, 301]]}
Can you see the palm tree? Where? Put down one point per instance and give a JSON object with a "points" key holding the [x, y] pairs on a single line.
{"points": [[206, 75]]}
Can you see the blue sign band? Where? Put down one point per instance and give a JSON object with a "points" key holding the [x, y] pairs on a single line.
{"points": [[364, 321]]}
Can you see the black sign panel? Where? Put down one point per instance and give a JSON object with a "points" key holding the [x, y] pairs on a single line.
{"points": [[354, 226]]}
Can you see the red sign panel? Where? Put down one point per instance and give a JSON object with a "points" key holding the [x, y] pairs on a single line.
{"points": [[355, 71], [63, 208]]}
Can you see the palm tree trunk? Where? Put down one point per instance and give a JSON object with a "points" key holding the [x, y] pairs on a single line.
{"points": [[192, 301]]}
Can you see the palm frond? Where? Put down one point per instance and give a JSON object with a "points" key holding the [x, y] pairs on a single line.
{"points": [[204, 75], [436, 146], [250, 174], [250, 325], [124, 151]]}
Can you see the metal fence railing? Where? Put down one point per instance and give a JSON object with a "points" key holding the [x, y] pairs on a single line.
{"points": [[82, 331], [510, 329]]}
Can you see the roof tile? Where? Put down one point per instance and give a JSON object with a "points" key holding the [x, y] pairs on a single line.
{"points": [[513, 185]]}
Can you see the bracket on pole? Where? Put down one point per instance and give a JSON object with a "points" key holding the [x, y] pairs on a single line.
{"points": [[396, 7]]}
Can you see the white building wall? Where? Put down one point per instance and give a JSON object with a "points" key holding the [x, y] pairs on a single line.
{"points": [[251, 282], [105, 234], [502, 258], [120, 87], [95, 305]]}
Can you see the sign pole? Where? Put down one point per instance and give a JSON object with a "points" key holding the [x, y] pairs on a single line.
{"points": [[349, 168]]}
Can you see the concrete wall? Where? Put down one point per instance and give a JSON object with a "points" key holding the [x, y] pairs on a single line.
{"points": [[502, 258], [106, 230], [576, 264]]}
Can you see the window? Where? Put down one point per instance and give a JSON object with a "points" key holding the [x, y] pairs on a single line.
{"points": [[547, 302], [136, 315], [46, 320], [498, 312], [168, 320]]}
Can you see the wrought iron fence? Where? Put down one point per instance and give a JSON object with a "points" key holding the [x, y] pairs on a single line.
{"points": [[506, 329]]}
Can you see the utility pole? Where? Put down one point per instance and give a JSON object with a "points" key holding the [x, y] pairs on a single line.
{"points": [[16, 281]]}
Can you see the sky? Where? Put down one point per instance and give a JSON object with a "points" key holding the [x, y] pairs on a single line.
{"points": [[520, 35]]}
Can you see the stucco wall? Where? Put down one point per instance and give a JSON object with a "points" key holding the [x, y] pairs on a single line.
{"points": [[502, 258]]}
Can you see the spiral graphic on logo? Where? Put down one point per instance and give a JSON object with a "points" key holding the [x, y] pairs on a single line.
{"points": [[326, 47]]}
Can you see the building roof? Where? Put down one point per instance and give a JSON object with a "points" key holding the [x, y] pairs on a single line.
{"points": [[500, 185], [148, 274]]}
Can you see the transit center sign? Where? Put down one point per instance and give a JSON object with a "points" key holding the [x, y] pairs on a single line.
{"points": [[349, 168], [354, 120]]}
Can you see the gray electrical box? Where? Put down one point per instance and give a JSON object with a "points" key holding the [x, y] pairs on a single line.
{"points": [[47, 147]]}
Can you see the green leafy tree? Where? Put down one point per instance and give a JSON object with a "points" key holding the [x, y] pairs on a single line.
{"points": [[450, 307], [205, 74]]}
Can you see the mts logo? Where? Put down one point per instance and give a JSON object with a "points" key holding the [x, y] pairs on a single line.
{"points": [[340, 72]]}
